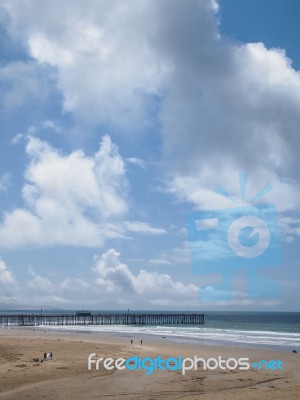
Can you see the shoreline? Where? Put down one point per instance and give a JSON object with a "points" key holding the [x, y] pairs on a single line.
{"points": [[157, 337]]}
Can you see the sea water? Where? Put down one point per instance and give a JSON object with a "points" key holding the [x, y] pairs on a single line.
{"points": [[277, 330]]}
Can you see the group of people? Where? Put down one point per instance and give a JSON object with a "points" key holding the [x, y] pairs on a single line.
{"points": [[131, 342], [48, 356]]}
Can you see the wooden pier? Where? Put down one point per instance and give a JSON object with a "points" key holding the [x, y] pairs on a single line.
{"points": [[87, 318]]}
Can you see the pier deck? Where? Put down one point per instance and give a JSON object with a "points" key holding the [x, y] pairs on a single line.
{"points": [[86, 318]]}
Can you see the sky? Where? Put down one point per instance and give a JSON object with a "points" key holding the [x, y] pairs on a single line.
{"points": [[119, 119]]}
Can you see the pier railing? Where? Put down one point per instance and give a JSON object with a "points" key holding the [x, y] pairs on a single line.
{"points": [[102, 319]]}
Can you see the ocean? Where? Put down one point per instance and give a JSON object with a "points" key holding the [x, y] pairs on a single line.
{"points": [[276, 330]]}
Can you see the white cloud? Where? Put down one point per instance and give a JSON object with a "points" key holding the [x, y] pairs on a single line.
{"points": [[21, 82], [68, 198], [240, 115], [175, 256], [5, 181], [40, 283], [49, 124], [9, 292], [115, 284], [112, 274], [117, 46], [75, 284], [290, 227], [115, 276], [17, 138], [76, 180], [223, 107], [98, 42], [52, 292], [6, 277], [216, 297], [137, 161], [143, 228], [200, 192], [71, 199]]}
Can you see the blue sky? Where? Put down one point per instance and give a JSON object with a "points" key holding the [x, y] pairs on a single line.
{"points": [[118, 120]]}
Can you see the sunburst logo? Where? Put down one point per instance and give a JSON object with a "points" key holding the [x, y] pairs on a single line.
{"points": [[242, 238]]}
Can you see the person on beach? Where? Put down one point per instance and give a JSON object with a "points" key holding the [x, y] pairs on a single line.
{"points": [[131, 341], [141, 343]]}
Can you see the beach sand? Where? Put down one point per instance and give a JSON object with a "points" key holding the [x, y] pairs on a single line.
{"points": [[67, 377]]}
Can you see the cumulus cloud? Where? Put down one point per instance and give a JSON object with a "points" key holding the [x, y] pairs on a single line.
{"points": [[41, 284], [223, 106], [115, 276], [8, 285], [115, 284], [100, 42], [50, 291], [68, 198], [243, 123], [71, 199], [232, 108], [6, 276]]}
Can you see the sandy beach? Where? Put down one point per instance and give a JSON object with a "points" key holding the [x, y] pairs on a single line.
{"points": [[67, 375]]}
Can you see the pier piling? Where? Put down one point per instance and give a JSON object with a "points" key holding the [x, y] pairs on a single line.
{"points": [[87, 318]]}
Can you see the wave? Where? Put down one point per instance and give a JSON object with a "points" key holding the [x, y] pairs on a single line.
{"points": [[196, 334]]}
